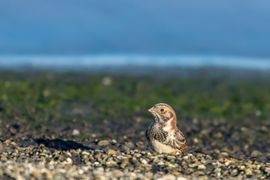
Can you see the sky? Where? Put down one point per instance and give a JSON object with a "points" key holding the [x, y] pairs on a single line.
{"points": [[63, 27]]}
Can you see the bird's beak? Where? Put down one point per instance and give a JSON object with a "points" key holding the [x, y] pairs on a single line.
{"points": [[151, 110]]}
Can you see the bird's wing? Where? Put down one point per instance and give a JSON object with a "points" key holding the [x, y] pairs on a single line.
{"points": [[178, 141]]}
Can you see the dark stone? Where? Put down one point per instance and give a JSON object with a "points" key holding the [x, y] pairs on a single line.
{"points": [[209, 168]]}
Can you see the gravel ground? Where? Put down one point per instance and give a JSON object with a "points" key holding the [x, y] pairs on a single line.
{"points": [[217, 150], [63, 126]]}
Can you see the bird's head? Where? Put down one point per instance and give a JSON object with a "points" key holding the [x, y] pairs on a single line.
{"points": [[164, 114]]}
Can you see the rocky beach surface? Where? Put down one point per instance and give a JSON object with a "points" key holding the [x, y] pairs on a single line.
{"points": [[72, 125]]}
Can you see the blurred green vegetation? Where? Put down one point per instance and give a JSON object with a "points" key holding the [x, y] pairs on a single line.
{"points": [[42, 96]]}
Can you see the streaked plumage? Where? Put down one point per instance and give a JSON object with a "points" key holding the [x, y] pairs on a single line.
{"points": [[163, 134]]}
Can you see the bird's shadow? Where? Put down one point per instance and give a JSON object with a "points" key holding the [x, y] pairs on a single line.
{"points": [[63, 145]]}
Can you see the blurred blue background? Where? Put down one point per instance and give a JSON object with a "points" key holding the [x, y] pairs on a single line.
{"points": [[156, 27]]}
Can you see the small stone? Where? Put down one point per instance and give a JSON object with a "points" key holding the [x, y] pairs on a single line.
{"points": [[267, 170], [196, 140], [244, 129], [1, 147], [218, 135], [85, 153], [264, 129], [124, 164], [224, 154], [68, 154], [117, 173], [69, 160], [149, 175], [234, 172], [167, 177], [8, 142], [98, 171], [242, 168], [103, 143], [75, 132], [111, 152], [143, 161], [134, 161], [36, 174], [181, 178], [110, 163], [201, 167], [161, 163], [171, 158], [209, 168], [248, 172], [193, 165], [114, 141], [255, 154]]}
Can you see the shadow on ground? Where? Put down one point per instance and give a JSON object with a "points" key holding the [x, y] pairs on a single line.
{"points": [[63, 145]]}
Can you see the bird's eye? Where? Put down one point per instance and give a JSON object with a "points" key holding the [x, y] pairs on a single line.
{"points": [[161, 110]]}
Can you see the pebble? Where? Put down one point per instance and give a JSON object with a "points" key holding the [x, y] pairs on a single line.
{"points": [[167, 177], [234, 172], [216, 160], [75, 132], [201, 167], [181, 178], [255, 154], [114, 142], [111, 152], [103, 143], [69, 160], [248, 172], [143, 161]]}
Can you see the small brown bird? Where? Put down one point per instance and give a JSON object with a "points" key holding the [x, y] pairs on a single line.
{"points": [[163, 134]]}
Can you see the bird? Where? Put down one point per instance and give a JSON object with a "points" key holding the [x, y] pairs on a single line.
{"points": [[163, 134]]}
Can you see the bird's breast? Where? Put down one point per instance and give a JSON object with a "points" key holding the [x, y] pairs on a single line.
{"points": [[162, 148]]}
